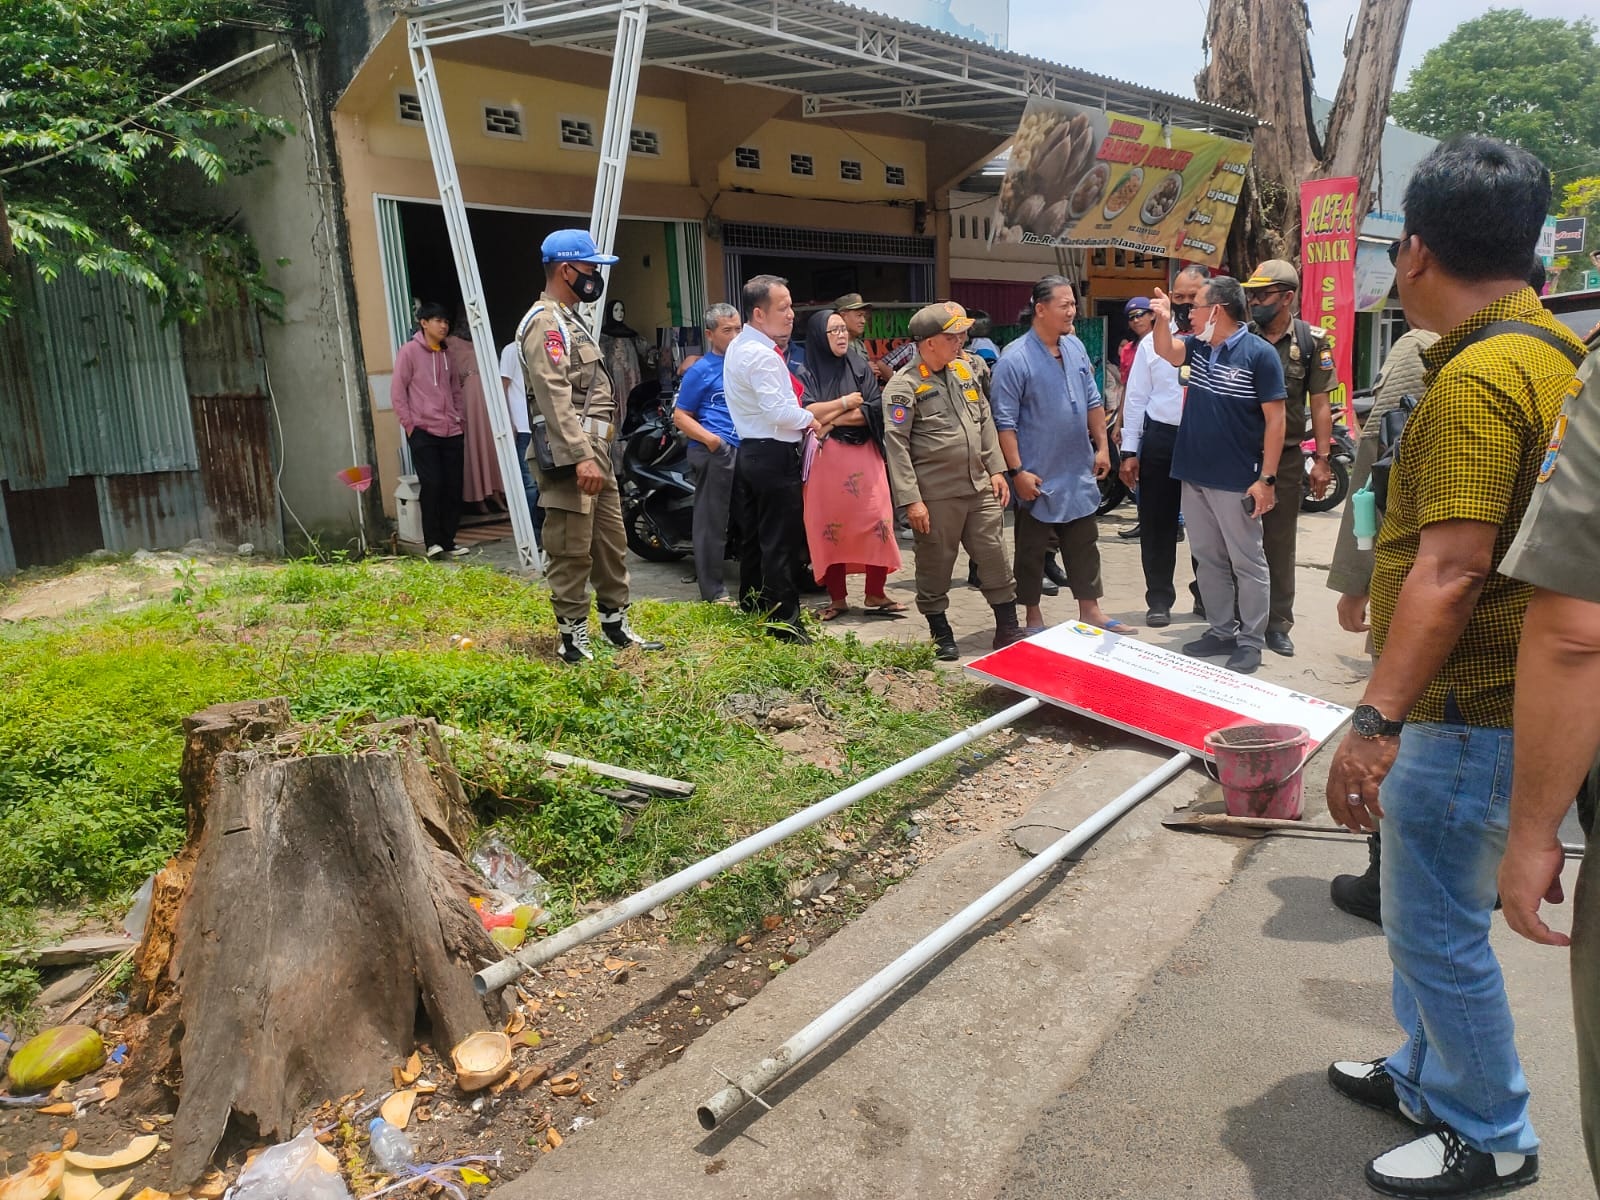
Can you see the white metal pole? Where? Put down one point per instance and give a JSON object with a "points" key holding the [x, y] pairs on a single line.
{"points": [[506, 970], [615, 137], [487, 353], [769, 1070]]}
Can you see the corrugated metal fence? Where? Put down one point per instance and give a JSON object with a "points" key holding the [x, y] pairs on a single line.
{"points": [[120, 432]]}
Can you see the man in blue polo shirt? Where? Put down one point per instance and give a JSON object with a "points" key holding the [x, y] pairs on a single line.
{"points": [[701, 412], [1226, 454]]}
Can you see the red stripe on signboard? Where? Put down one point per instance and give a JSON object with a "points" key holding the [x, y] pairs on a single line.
{"points": [[1101, 692]]}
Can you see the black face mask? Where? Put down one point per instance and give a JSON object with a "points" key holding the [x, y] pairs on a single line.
{"points": [[1265, 314], [587, 286], [1180, 314]]}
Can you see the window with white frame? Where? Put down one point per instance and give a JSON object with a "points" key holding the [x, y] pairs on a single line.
{"points": [[577, 133], [503, 121], [407, 108]]}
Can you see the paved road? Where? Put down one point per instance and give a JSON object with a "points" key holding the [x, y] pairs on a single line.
{"points": [[1215, 1088]]}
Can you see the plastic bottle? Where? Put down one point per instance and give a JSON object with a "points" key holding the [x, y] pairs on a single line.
{"points": [[392, 1150], [1364, 506]]}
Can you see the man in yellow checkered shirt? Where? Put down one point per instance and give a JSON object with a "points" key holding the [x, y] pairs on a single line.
{"points": [[1428, 759]]}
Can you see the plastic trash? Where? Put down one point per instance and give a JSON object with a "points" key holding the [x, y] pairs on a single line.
{"points": [[134, 922], [291, 1171], [392, 1151], [505, 871]]}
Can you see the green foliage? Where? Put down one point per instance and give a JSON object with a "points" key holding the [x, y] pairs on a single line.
{"points": [[102, 173], [91, 739], [1580, 198], [1533, 82]]}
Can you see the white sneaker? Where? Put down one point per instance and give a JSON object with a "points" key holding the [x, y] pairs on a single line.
{"points": [[435, 550], [459, 551], [1440, 1164]]}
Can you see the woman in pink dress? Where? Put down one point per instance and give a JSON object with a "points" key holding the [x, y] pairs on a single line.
{"points": [[480, 480], [849, 514]]}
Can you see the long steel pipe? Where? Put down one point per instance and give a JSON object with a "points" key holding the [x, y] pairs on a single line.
{"points": [[769, 1070], [506, 970]]}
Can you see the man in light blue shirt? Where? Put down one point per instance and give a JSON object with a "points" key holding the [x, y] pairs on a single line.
{"points": [[701, 412], [1052, 424]]}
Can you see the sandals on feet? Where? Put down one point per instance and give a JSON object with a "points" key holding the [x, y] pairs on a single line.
{"points": [[888, 607], [832, 612]]}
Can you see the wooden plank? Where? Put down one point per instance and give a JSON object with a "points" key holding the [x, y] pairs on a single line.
{"points": [[659, 784], [73, 951]]}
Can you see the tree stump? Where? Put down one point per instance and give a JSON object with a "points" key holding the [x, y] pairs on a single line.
{"points": [[319, 902]]}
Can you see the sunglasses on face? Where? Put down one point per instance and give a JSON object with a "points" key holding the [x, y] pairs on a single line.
{"points": [[1394, 249]]}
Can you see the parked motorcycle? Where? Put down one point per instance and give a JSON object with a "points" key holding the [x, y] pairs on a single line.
{"points": [[657, 484], [1342, 454]]}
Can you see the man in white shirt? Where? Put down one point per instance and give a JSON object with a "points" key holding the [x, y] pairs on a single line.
{"points": [[516, 392], [1152, 405], [767, 499]]}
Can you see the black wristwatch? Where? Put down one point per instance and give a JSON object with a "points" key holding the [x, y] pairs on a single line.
{"points": [[1270, 480], [1369, 723]]}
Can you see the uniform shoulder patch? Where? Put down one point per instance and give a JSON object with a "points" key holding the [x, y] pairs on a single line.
{"points": [[1317, 331], [1326, 359], [1552, 452], [897, 412], [924, 388], [554, 347]]}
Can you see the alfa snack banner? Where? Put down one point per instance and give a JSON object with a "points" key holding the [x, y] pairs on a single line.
{"points": [[1328, 272], [1082, 177]]}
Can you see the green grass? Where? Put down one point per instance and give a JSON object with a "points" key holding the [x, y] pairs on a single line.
{"points": [[91, 740]]}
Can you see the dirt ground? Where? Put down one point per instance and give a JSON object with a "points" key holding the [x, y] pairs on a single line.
{"points": [[592, 1023]]}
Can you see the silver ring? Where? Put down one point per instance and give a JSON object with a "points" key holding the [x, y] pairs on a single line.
{"points": [[1354, 798]]}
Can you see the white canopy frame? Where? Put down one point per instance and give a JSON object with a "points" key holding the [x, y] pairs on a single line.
{"points": [[840, 59]]}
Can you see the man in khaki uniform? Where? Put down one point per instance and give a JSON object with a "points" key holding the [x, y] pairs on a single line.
{"points": [[1308, 377], [945, 466], [1557, 550], [574, 413]]}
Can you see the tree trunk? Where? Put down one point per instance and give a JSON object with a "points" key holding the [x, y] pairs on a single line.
{"points": [[1261, 63], [1355, 127], [319, 903]]}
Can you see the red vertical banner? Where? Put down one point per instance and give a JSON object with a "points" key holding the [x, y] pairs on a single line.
{"points": [[1328, 224]]}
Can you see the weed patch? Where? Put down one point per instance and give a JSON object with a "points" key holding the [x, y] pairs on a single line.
{"points": [[91, 725]]}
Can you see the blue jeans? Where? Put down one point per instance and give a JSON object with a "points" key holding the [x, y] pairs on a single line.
{"points": [[529, 487], [1445, 808]]}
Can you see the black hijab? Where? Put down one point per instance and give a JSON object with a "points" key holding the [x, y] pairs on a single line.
{"points": [[833, 375]]}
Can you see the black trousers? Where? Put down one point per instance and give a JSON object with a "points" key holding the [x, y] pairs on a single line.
{"points": [[1160, 502], [767, 503], [439, 462]]}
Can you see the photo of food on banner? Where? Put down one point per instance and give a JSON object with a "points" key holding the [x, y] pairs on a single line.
{"points": [[1078, 176]]}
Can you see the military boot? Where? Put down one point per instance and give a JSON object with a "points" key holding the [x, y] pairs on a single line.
{"points": [[614, 624], [944, 639], [575, 646], [1005, 626], [1358, 895]]}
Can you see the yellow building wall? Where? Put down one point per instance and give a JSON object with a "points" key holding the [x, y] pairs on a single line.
{"points": [[828, 146], [543, 102]]}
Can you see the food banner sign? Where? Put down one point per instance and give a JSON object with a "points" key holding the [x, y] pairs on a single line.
{"points": [[1328, 271], [1082, 177]]}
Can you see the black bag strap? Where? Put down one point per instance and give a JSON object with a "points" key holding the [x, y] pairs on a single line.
{"points": [[1495, 328]]}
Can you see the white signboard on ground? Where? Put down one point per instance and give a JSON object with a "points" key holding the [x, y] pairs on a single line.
{"points": [[1146, 690]]}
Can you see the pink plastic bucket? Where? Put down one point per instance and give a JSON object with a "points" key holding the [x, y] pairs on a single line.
{"points": [[1259, 769]]}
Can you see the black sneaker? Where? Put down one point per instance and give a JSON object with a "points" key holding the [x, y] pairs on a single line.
{"points": [[1370, 1083], [1246, 660], [1208, 645], [1440, 1164]]}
